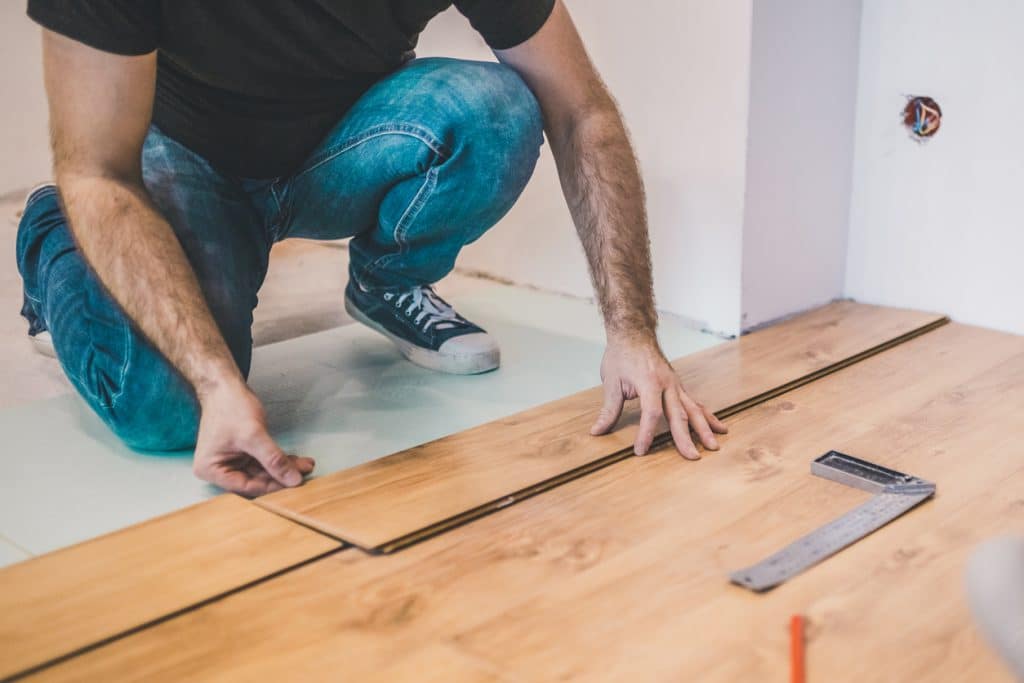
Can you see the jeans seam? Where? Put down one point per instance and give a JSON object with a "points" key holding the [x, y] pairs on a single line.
{"points": [[277, 200], [405, 222], [122, 375], [278, 229], [381, 130], [40, 192]]}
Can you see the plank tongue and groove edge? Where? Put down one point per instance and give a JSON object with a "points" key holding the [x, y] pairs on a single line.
{"points": [[55, 605], [392, 502]]}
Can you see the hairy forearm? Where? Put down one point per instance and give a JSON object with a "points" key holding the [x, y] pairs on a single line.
{"points": [[602, 185], [139, 260]]}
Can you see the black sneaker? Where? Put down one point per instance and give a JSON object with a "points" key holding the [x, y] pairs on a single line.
{"points": [[425, 328]]}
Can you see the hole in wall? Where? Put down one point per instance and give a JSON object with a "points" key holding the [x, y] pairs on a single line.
{"points": [[922, 116]]}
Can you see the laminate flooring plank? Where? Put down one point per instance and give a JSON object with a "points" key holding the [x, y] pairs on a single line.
{"points": [[622, 574], [890, 608], [58, 603], [435, 663], [390, 502]]}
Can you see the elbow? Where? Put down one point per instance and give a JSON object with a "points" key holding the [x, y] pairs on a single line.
{"points": [[597, 113], [71, 173], [595, 126]]}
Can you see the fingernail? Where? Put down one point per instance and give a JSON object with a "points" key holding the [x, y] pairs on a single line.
{"points": [[292, 478]]}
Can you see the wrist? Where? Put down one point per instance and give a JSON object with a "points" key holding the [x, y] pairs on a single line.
{"points": [[643, 339], [219, 386]]}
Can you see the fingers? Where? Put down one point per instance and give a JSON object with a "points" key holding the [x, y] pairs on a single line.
{"points": [[303, 464], [698, 421], [254, 468], [277, 463], [247, 476], [611, 408], [240, 480], [650, 415], [227, 479], [717, 426], [679, 422]]}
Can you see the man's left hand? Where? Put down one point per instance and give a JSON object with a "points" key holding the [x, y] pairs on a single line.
{"points": [[638, 369]]}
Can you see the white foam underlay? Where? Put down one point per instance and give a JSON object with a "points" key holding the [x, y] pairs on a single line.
{"points": [[343, 396]]}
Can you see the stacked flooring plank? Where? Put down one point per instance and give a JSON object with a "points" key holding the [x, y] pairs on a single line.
{"points": [[620, 573]]}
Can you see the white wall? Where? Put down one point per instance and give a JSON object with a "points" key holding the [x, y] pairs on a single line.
{"points": [[24, 140], [679, 71], [940, 226], [803, 78]]}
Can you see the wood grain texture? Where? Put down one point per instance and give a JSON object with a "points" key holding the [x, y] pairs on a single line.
{"points": [[383, 501], [58, 603], [622, 574]]}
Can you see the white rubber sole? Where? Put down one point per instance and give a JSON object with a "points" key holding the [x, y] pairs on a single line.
{"points": [[448, 363]]}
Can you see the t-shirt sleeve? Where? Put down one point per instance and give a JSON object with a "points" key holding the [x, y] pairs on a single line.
{"points": [[506, 23], [124, 27]]}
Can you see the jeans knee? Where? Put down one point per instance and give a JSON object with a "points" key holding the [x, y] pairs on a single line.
{"points": [[520, 125], [149, 442], [503, 107], [498, 92], [155, 409], [163, 424], [493, 115]]}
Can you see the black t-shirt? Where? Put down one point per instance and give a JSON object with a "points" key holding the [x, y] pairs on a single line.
{"points": [[253, 86]]}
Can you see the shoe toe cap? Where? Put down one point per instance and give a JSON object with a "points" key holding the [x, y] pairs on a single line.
{"points": [[475, 343]]}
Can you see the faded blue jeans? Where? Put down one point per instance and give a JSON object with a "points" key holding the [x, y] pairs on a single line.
{"points": [[425, 162]]}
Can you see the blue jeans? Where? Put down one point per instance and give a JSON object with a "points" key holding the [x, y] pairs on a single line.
{"points": [[425, 162]]}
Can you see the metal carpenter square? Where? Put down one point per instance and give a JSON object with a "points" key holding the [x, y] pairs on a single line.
{"points": [[895, 493]]}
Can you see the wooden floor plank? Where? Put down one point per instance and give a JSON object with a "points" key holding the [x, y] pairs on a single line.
{"points": [[622, 574], [390, 502], [890, 608], [58, 603], [435, 663]]}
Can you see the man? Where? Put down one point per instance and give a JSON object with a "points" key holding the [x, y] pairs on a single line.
{"points": [[190, 135]]}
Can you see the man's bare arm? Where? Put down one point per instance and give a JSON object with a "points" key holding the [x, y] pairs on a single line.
{"points": [[100, 110], [100, 107], [602, 185]]}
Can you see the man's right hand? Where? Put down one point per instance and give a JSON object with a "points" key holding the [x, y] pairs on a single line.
{"points": [[101, 106], [234, 450]]}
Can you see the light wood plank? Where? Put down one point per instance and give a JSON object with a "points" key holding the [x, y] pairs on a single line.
{"points": [[375, 505], [58, 603], [622, 574], [889, 609], [435, 663]]}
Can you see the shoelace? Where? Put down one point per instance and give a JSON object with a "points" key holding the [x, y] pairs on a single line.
{"points": [[433, 310]]}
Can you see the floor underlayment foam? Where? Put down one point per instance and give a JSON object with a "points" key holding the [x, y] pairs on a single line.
{"points": [[343, 396]]}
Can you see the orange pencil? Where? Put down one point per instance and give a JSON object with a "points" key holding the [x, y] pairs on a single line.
{"points": [[796, 649]]}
